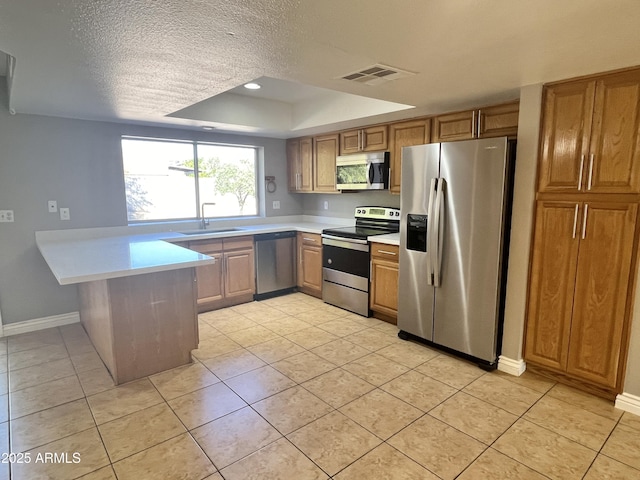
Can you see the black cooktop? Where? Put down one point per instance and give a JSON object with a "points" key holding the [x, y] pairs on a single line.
{"points": [[360, 233]]}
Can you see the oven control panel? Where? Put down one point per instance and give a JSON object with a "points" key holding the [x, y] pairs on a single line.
{"points": [[382, 213]]}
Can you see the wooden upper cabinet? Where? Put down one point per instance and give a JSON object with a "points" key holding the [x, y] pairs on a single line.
{"points": [[325, 151], [591, 135], [551, 286], [454, 126], [601, 291], [370, 139], [614, 152], [566, 127], [300, 164], [293, 163], [499, 121], [405, 134], [496, 121]]}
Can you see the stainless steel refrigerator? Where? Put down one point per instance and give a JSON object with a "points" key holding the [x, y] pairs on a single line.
{"points": [[455, 207]]}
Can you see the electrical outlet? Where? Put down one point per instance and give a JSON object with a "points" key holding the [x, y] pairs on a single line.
{"points": [[276, 204], [65, 214], [52, 205], [326, 205], [6, 216]]}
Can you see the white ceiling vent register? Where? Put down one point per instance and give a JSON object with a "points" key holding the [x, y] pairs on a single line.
{"points": [[376, 74]]}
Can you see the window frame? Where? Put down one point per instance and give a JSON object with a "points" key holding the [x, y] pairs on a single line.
{"points": [[258, 158]]}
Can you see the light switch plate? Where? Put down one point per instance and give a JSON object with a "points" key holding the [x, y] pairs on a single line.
{"points": [[65, 214], [326, 205], [52, 205], [276, 204], [6, 216]]}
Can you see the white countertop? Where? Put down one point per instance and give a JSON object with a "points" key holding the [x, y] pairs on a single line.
{"points": [[84, 255], [389, 238], [85, 260]]}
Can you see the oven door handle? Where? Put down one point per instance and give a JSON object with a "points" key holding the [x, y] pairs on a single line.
{"points": [[351, 243]]}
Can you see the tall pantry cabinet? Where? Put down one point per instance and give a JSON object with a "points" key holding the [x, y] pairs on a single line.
{"points": [[585, 236]]}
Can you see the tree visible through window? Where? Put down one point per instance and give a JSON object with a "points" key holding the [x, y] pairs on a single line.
{"points": [[161, 182]]}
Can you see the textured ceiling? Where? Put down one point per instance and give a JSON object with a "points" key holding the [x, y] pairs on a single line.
{"points": [[143, 60]]}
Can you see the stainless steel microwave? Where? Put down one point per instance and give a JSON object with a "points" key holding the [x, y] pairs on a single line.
{"points": [[363, 171]]}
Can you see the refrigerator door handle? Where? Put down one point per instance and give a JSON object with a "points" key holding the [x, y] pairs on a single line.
{"points": [[430, 229], [437, 235]]}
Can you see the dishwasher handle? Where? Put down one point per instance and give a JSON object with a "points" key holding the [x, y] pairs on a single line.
{"points": [[261, 237]]}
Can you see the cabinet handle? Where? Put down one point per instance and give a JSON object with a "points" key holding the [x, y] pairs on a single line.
{"points": [[307, 239], [591, 157], [473, 124], [479, 123], [387, 252], [580, 175], [575, 221], [360, 140], [584, 221]]}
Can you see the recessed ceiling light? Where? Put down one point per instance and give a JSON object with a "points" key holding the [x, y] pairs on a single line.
{"points": [[252, 86], [207, 127]]}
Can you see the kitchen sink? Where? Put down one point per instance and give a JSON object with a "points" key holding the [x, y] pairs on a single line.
{"points": [[211, 230]]}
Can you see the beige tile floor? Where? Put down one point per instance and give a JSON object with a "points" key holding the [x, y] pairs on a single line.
{"points": [[291, 388]]}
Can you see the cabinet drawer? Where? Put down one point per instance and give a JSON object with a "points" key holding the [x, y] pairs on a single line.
{"points": [[235, 243], [383, 250], [206, 246], [312, 239]]}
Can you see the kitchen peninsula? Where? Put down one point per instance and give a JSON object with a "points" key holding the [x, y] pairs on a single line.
{"points": [[136, 295], [137, 291]]}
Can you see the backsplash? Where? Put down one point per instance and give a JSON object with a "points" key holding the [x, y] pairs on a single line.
{"points": [[344, 204]]}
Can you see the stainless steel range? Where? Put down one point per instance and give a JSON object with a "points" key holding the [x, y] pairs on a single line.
{"points": [[345, 257]]}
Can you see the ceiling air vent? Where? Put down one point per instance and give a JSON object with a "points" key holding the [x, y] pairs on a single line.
{"points": [[376, 74]]}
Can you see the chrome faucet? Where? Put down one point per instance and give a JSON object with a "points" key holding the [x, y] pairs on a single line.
{"points": [[205, 222]]}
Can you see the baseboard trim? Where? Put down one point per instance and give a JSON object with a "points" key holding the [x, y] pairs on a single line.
{"points": [[510, 366], [628, 403], [40, 324]]}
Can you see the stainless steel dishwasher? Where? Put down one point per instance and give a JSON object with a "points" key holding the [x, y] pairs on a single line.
{"points": [[275, 264]]}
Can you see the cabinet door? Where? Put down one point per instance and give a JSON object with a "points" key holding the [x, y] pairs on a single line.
{"points": [[566, 128], [602, 287], [454, 126], [325, 152], [552, 281], [239, 278], [306, 165], [350, 142], [293, 164], [210, 281], [384, 287], [312, 267], [374, 139], [498, 121], [614, 154], [405, 134]]}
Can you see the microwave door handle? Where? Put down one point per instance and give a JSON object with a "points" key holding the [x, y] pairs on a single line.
{"points": [[369, 173]]}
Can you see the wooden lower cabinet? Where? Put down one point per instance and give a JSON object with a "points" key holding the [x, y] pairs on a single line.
{"points": [[581, 273], [142, 324], [239, 278], [229, 281], [310, 264], [383, 298]]}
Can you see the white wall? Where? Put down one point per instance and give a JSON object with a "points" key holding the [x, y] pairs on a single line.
{"points": [[522, 220]]}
